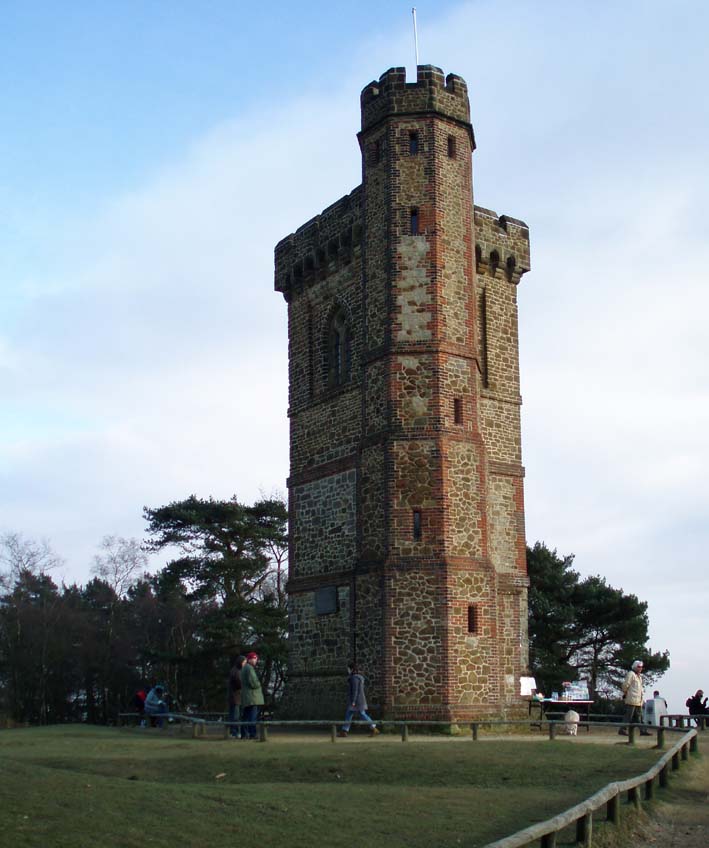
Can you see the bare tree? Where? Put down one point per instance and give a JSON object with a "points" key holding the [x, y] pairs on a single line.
{"points": [[29, 560], [121, 564], [19, 555]]}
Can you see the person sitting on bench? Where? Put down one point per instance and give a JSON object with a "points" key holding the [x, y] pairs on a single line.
{"points": [[155, 705]]}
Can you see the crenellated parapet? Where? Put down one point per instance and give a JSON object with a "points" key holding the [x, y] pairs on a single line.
{"points": [[501, 245], [321, 246], [432, 92]]}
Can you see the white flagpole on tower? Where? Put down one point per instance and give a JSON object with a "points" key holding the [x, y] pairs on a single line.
{"points": [[416, 36]]}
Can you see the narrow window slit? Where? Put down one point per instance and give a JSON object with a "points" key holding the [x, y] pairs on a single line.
{"points": [[339, 351], [485, 364], [417, 525]]}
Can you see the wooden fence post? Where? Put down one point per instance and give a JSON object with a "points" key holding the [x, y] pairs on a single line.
{"points": [[664, 776], [552, 730], [631, 734], [693, 745], [584, 830], [333, 733], [262, 733], [474, 731], [404, 732], [613, 810], [634, 797], [650, 789], [661, 737], [685, 752], [549, 840]]}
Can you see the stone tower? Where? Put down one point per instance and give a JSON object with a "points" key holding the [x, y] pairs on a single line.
{"points": [[406, 496]]}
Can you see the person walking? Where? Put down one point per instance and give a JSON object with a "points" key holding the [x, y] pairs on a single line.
{"points": [[357, 702], [251, 696], [633, 698], [234, 694]]}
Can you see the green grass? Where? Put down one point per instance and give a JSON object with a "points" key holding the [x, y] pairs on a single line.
{"points": [[79, 786]]}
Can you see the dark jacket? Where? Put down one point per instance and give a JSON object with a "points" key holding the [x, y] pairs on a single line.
{"points": [[696, 706], [358, 699], [234, 686]]}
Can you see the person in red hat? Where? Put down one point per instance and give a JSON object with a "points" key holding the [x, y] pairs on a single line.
{"points": [[251, 696]]}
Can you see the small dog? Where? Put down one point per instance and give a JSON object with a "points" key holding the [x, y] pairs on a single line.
{"points": [[571, 722]]}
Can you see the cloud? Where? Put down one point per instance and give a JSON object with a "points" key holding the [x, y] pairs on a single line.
{"points": [[152, 362]]}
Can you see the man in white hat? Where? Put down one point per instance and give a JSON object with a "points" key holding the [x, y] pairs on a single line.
{"points": [[633, 698]]}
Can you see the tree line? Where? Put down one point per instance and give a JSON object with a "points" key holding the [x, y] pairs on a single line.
{"points": [[80, 652]]}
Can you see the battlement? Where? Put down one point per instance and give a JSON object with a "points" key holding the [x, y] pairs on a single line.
{"points": [[501, 245], [432, 92], [321, 245]]}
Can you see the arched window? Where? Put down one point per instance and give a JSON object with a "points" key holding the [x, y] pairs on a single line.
{"points": [[339, 350]]}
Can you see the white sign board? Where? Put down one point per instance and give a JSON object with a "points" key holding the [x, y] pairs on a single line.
{"points": [[527, 686]]}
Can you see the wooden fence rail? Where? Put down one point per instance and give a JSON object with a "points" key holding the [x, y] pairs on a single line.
{"points": [[681, 720], [637, 788], [201, 726]]}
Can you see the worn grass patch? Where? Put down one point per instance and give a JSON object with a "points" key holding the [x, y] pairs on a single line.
{"points": [[80, 786]]}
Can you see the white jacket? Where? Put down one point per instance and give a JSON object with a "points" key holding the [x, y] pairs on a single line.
{"points": [[633, 689]]}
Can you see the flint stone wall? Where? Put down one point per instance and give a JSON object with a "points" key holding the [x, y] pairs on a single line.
{"points": [[324, 529]]}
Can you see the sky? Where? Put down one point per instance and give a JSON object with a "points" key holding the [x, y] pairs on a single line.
{"points": [[153, 153]]}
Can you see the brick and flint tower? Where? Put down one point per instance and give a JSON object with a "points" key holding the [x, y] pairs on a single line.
{"points": [[406, 496]]}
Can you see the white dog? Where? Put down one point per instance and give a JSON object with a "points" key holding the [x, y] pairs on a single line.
{"points": [[571, 722]]}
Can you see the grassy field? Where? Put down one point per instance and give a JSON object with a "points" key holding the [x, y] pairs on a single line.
{"points": [[79, 786]]}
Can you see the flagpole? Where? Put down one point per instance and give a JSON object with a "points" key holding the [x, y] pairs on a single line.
{"points": [[416, 36]]}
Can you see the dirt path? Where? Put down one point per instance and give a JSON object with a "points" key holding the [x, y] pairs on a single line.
{"points": [[680, 817]]}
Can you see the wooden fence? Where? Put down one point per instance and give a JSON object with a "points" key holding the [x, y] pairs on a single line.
{"points": [[684, 720], [202, 726], [637, 788]]}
